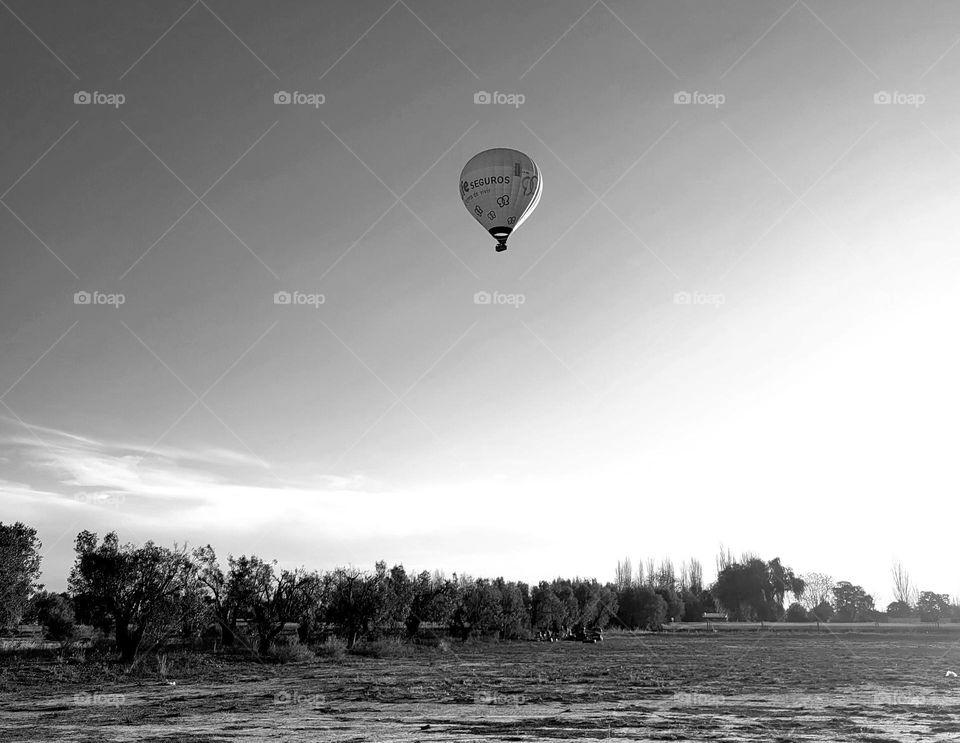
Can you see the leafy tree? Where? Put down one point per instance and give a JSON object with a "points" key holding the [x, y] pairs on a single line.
{"points": [[654, 611], [796, 613], [222, 591], [132, 589], [514, 618], [851, 603], [784, 581], [396, 596], [268, 596], [53, 612], [899, 610], [547, 612], [755, 590], [434, 600], [641, 607], [693, 610], [673, 601], [354, 603], [19, 570], [480, 610], [607, 605], [563, 589], [822, 612], [933, 606], [707, 601]]}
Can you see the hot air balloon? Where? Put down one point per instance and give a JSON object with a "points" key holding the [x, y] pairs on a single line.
{"points": [[500, 188]]}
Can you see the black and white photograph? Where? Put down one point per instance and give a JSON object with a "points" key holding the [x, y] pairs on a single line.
{"points": [[422, 371]]}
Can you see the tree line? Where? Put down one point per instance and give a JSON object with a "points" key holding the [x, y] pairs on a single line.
{"points": [[146, 596]]}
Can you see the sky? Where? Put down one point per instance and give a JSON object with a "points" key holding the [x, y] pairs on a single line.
{"points": [[730, 321]]}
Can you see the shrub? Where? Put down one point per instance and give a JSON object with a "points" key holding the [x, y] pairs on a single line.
{"points": [[822, 612], [333, 647], [391, 648], [796, 613], [54, 612], [291, 653]]}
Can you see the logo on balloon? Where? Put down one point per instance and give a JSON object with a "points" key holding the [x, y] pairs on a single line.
{"points": [[503, 200]]}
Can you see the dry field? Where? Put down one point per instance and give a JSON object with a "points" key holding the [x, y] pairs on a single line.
{"points": [[749, 686]]}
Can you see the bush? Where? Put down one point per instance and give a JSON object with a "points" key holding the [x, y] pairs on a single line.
{"points": [[333, 647], [391, 648], [54, 612], [291, 653], [796, 613], [822, 612], [692, 607]]}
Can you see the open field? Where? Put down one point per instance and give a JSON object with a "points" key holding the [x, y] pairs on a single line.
{"points": [[720, 687]]}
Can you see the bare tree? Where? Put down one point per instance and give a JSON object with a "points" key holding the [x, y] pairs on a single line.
{"points": [[665, 574], [903, 589], [696, 575], [724, 559], [624, 574], [818, 588]]}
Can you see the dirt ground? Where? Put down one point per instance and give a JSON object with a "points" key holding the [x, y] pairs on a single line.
{"points": [[756, 686]]}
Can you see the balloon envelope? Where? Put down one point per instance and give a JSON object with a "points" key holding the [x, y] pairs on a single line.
{"points": [[500, 188]]}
